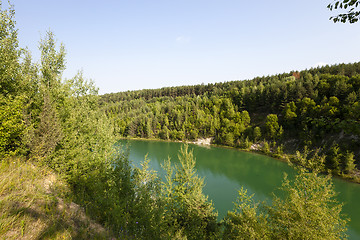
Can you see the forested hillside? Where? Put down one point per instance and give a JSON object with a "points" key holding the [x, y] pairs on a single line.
{"points": [[316, 110]]}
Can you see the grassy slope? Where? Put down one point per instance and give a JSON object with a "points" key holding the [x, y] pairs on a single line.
{"points": [[36, 204]]}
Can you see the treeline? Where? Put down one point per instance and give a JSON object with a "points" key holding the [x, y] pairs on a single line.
{"points": [[317, 109], [60, 124], [219, 88]]}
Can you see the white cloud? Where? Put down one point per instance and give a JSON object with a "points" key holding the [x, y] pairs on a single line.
{"points": [[320, 64], [183, 39]]}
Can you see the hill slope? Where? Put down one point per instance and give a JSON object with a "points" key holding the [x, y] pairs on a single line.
{"points": [[316, 109]]}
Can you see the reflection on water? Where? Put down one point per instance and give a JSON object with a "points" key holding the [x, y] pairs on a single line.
{"points": [[227, 170]]}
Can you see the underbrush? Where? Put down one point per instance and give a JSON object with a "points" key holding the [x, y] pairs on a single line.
{"points": [[36, 204]]}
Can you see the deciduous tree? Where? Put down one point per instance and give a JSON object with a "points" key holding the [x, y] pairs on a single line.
{"points": [[351, 6]]}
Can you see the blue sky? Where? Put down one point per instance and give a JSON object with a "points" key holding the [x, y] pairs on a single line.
{"points": [[139, 44]]}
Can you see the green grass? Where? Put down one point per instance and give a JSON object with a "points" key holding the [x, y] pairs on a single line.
{"points": [[36, 204]]}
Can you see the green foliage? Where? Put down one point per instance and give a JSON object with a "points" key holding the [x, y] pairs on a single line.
{"points": [[245, 221], [290, 112], [48, 133], [129, 199], [265, 148], [310, 160], [272, 127], [257, 134], [52, 61], [349, 163], [148, 204], [187, 209], [307, 209], [164, 133], [12, 125], [333, 159], [11, 86], [228, 139], [10, 77]]}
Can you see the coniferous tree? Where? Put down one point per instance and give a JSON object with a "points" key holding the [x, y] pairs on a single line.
{"points": [[307, 209], [348, 162], [48, 133], [186, 207]]}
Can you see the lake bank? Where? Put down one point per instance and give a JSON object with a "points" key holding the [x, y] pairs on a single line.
{"points": [[227, 170], [254, 148]]}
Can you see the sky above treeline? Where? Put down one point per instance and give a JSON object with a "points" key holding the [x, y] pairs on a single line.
{"points": [[140, 44]]}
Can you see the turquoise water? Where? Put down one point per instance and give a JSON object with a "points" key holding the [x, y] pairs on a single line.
{"points": [[227, 170]]}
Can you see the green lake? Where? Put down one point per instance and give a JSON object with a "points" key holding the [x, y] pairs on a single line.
{"points": [[225, 171]]}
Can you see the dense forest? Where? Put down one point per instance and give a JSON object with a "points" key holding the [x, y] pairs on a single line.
{"points": [[317, 110], [48, 122]]}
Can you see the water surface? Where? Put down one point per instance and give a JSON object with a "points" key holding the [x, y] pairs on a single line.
{"points": [[227, 170]]}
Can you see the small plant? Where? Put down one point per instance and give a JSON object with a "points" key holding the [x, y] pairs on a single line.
{"points": [[22, 227]]}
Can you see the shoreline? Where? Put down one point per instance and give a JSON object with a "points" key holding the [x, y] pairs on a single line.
{"points": [[206, 142]]}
